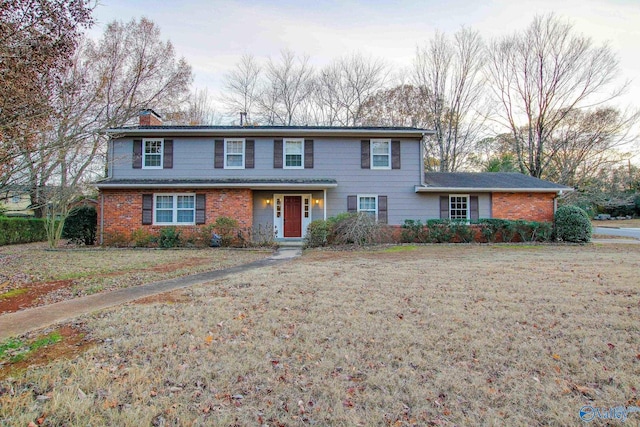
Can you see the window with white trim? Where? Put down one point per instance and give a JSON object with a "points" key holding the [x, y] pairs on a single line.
{"points": [[459, 207], [380, 154], [152, 153], [293, 153], [368, 204], [174, 209], [234, 150]]}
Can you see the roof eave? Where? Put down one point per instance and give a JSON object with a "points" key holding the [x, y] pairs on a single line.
{"points": [[249, 132], [427, 189], [251, 186]]}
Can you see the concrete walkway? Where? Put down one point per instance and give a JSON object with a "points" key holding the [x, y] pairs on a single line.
{"points": [[21, 322]]}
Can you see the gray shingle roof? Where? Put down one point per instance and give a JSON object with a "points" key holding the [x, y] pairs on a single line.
{"points": [[486, 181]]}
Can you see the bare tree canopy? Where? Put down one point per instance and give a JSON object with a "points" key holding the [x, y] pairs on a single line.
{"points": [[539, 76], [240, 87], [37, 38], [449, 72], [286, 88], [399, 106], [342, 88]]}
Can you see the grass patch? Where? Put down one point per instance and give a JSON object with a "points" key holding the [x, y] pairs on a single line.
{"points": [[440, 335], [14, 350], [400, 248], [13, 293]]}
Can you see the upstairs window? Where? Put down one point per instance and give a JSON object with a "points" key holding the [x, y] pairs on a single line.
{"points": [[380, 154], [294, 153], [152, 154], [234, 150]]}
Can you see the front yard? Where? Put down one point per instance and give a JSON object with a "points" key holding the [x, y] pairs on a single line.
{"points": [[30, 275], [411, 335]]}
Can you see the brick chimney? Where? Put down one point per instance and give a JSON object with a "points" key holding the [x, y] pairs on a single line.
{"points": [[149, 117]]}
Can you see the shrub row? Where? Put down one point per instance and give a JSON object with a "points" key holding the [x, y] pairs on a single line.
{"points": [[227, 230], [571, 225], [21, 230]]}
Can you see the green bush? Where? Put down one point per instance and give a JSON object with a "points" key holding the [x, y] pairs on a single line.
{"points": [[227, 229], [317, 234], [143, 238], [80, 226], [21, 230], [413, 231], [169, 238], [439, 231], [572, 224]]}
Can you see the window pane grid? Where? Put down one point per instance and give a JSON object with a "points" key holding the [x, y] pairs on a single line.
{"points": [[293, 154], [153, 153], [458, 207], [234, 153], [380, 154], [175, 209]]}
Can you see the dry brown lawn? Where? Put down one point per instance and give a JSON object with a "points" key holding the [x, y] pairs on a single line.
{"points": [[32, 275], [504, 335]]}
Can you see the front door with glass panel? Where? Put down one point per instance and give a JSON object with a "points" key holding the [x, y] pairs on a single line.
{"points": [[292, 216]]}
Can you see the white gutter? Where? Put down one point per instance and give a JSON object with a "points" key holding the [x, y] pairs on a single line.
{"points": [[424, 189], [250, 131], [249, 185]]}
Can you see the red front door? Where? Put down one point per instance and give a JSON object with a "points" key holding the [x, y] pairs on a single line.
{"points": [[292, 216]]}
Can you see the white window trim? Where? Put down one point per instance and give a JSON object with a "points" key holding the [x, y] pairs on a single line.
{"points": [[244, 152], [388, 141], [375, 196], [284, 153], [144, 153], [174, 208], [468, 206]]}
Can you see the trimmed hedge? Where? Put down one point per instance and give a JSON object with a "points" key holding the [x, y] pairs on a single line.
{"points": [[21, 230], [80, 226], [572, 224]]}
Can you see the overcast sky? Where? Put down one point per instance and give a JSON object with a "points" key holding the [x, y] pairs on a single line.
{"points": [[212, 34]]}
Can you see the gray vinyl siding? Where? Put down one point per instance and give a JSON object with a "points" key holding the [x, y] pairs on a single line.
{"points": [[334, 158]]}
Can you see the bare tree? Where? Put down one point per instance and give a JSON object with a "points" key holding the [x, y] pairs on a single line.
{"points": [[585, 142], [449, 72], [37, 38], [241, 87], [342, 88], [541, 75], [198, 110], [287, 84], [399, 106]]}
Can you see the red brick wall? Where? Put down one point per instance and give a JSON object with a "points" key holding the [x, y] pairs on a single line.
{"points": [[527, 206], [122, 210]]}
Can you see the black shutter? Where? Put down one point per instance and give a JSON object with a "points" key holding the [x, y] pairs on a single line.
{"points": [[444, 207], [382, 210], [308, 153], [473, 208], [365, 154], [147, 209], [167, 162], [277, 154], [352, 204], [200, 208], [395, 154], [219, 154], [137, 154], [249, 153]]}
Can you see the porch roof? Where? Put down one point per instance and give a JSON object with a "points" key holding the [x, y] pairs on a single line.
{"points": [[250, 183]]}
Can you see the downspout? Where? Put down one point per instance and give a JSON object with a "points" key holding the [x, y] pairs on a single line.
{"points": [[422, 183], [101, 218], [324, 203]]}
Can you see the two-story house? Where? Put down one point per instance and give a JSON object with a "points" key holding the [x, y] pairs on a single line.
{"points": [[282, 178]]}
